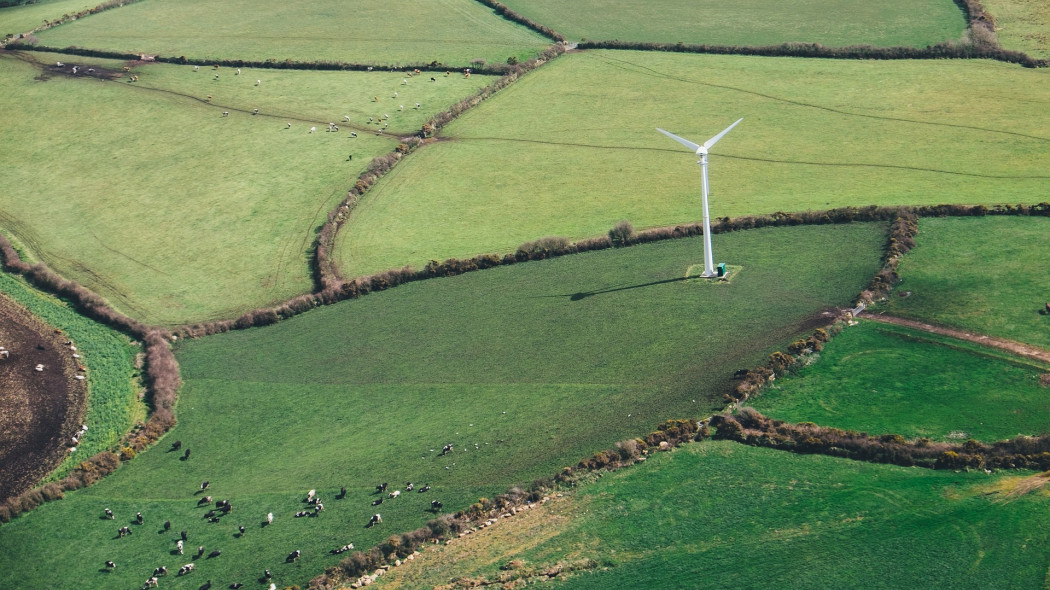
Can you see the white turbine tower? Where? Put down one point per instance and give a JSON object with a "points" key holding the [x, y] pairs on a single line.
{"points": [[701, 150]]}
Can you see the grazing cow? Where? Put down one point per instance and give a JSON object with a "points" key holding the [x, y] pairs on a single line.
{"points": [[196, 68], [240, 528], [425, 488], [293, 556], [446, 449], [342, 549], [215, 553], [434, 504], [376, 519], [395, 493], [267, 575], [381, 487], [167, 525], [302, 513], [409, 486], [160, 571], [138, 517], [255, 112], [342, 490], [205, 586], [109, 514], [123, 531], [432, 79], [310, 495], [200, 551], [236, 585], [204, 500], [222, 503], [269, 518], [1048, 307], [176, 445], [150, 583], [178, 546], [183, 535], [110, 564], [186, 569], [377, 502], [186, 455]]}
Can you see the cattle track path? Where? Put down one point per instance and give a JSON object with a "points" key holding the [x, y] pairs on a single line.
{"points": [[1011, 346]]}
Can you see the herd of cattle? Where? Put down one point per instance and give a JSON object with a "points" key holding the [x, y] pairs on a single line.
{"points": [[223, 508]]}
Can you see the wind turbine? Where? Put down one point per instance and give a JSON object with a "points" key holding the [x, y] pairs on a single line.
{"points": [[701, 150]]}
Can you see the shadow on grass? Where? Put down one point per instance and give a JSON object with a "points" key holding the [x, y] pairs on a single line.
{"points": [[586, 294]]}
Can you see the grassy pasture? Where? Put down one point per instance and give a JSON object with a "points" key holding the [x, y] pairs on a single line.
{"points": [[1022, 25], [880, 379], [370, 31], [719, 515], [572, 149], [306, 97], [113, 404], [22, 19], [982, 274], [148, 196], [367, 391], [752, 22]]}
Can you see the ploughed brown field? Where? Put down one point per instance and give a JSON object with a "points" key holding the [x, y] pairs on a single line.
{"points": [[40, 411]]}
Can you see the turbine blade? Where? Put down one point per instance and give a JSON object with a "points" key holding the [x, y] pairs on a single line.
{"points": [[711, 142], [680, 140]]}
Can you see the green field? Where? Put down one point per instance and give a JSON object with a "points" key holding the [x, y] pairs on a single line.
{"points": [[453, 32], [572, 149], [147, 195], [881, 379], [113, 403], [1022, 25], [752, 22], [525, 368], [721, 515], [982, 274], [22, 19]]}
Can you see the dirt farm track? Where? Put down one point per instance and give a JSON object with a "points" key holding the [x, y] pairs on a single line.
{"points": [[40, 411]]}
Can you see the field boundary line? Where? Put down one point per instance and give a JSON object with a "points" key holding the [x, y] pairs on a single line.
{"points": [[1012, 346]]}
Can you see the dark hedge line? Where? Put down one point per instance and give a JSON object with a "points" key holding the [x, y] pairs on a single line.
{"points": [[512, 16], [750, 427], [944, 50], [478, 67], [334, 289], [668, 435], [162, 380], [69, 17]]}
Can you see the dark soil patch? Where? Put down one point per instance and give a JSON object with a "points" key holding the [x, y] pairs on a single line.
{"points": [[40, 411]]}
